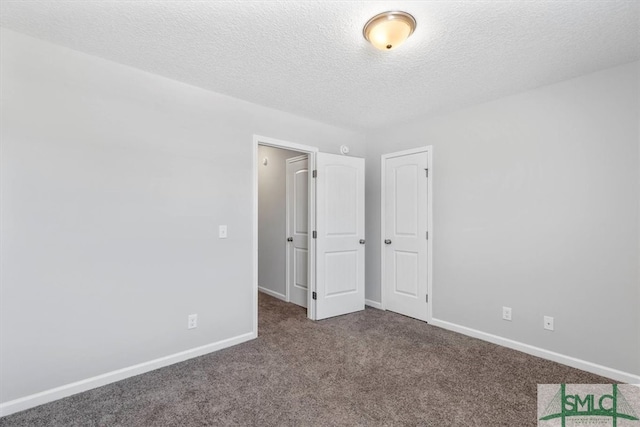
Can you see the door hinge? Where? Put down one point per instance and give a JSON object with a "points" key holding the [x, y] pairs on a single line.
{"points": [[314, 295], [314, 173], [427, 299], [426, 171], [315, 234], [427, 235]]}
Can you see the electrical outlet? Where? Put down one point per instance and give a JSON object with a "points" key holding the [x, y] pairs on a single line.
{"points": [[548, 323], [506, 313], [192, 321]]}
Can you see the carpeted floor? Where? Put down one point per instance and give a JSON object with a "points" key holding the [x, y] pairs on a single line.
{"points": [[368, 368]]}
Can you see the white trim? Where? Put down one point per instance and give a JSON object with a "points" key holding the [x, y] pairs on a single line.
{"points": [[50, 395], [254, 243], [278, 143], [272, 293], [383, 195], [429, 150], [311, 151], [373, 304], [311, 273], [594, 368], [430, 230]]}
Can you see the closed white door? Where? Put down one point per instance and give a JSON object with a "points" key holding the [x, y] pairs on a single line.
{"points": [[405, 235], [297, 230], [340, 235]]}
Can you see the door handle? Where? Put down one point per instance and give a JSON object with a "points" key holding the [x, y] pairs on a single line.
{"points": [[387, 241], [289, 239], [362, 241]]}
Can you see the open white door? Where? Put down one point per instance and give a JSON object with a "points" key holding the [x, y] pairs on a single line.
{"points": [[340, 235], [297, 229]]}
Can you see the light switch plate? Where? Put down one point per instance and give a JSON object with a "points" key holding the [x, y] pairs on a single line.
{"points": [[222, 231]]}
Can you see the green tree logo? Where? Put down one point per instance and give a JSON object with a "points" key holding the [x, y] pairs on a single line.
{"points": [[612, 405]]}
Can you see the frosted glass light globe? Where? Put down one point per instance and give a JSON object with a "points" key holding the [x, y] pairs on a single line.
{"points": [[389, 30]]}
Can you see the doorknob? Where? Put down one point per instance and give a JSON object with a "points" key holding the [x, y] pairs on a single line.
{"points": [[362, 241], [289, 239], [387, 241]]}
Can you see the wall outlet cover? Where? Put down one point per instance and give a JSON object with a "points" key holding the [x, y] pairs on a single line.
{"points": [[192, 321]]}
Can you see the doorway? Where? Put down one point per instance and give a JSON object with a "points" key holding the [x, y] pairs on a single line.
{"points": [[272, 248], [283, 218], [406, 233], [335, 231]]}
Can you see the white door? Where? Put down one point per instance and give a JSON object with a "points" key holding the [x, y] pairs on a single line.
{"points": [[405, 260], [297, 229], [340, 235]]}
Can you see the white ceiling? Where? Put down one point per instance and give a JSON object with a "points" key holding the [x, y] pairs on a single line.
{"points": [[309, 57]]}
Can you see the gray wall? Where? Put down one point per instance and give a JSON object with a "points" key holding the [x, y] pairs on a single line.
{"points": [[536, 207], [114, 182], [272, 199]]}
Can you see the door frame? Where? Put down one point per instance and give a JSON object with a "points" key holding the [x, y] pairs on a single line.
{"points": [[429, 150], [289, 248], [311, 152]]}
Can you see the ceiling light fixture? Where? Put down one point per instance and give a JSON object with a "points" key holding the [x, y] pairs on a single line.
{"points": [[389, 30]]}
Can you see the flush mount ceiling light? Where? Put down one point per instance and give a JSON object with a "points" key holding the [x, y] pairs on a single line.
{"points": [[389, 30]]}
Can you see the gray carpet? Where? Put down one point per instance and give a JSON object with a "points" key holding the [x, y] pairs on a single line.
{"points": [[368, 368]]}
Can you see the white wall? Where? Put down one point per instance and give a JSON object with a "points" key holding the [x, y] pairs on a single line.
{"points": [[114, 182], [272, 200], [536, 207]]}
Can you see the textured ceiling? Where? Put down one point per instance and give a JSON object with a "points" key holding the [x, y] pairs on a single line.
{"points": [[309, 57]]}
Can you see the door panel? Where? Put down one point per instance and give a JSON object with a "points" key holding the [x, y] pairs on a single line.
{"points": [[340, 227], [341, 272], [300, 205], [405, 256], [297, 229], [406, 207], [340, 183], [407, 273], [301, 256]]}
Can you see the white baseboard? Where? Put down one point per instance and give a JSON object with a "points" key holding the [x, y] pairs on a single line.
{"points": [[373, 304], [272, 293], [540, 352], [46, 396]]}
